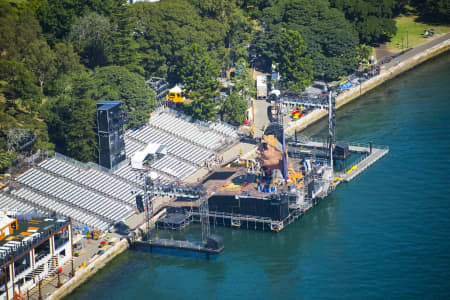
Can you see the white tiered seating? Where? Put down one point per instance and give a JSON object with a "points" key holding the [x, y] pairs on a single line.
{"points": [[174, 167], [70, 194], [132, 146], [224, 129], [175, 146], [184, 129], [93, 179], [8, 203], [77, 215]]}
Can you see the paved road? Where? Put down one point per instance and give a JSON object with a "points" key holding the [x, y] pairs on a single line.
{"points": [[382, 52], [261, 117], [417, 50]]}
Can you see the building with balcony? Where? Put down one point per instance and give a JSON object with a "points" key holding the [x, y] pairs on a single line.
{"points": [[31, 249]]}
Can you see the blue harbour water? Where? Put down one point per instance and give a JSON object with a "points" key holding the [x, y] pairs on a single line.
{"points": [[385, 235]]}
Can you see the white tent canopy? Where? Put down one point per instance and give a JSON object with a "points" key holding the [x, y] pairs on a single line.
{"points": [[137, 160], [175, 89]]}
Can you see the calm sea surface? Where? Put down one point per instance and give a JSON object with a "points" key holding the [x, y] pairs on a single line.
{"points": [[385, 235]]}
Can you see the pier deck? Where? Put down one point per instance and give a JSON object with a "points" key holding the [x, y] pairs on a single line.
{"points": [[322, 145], [364, 164]]}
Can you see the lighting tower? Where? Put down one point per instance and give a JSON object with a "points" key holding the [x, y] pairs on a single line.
{"points": [[331, 125], [147, 202]]}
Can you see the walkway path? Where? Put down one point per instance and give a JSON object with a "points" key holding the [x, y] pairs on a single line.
{"points": [[417, 50]]}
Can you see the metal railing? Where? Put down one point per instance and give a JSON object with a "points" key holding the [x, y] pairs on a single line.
{"points": [[26, 246], [89, 165]]}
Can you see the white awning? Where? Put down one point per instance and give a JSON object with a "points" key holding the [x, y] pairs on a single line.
{"points": [[137, 161], [175, 89]]}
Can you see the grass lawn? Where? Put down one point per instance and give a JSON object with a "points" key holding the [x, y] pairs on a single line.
{"points": [[415, 33]]}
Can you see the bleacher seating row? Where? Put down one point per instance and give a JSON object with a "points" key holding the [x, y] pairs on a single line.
{"points": [[175, 146], [183, 129], [73, 195], [78, 215], [131, 146], [174, 167], [8, 203], [219, 126], [224, 129], [91, 178]]}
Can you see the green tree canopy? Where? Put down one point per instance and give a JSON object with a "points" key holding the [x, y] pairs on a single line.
{"points": [[116, 83], [41, 60], [91, 38], [234, 109], [18, 86], [125, 47], [165, 30], [57, 16], [198, 75], [17, 31], [202, 105], [198, 70], [295, 65], [330, 39], [70, 117], [434, 11], [66, 59], [244, 84], [372, 19]]}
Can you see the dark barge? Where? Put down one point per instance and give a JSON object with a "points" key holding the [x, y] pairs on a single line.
{"points": [[213, 245]]}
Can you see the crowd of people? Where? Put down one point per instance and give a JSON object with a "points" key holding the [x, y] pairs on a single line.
{"points": [[213, 162]]}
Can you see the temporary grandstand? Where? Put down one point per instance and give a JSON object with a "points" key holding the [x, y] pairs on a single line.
{"points": [[98, 198]]}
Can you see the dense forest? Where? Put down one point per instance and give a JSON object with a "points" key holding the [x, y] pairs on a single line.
{"points": [[58, 57]]}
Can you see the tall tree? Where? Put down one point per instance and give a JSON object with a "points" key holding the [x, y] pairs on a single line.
{"points": [[237, 27], [116, 83], [244, 83], [199, 75], [372, 19], [17, 31], [18, 86], [66, 59], [234, 109], [263, 50], [41, 60], [81, 136], [91, 37], [70, 117], [295, 65], [163, 36], [330, 39], [125, 46], [434, 11], [202, 105], [5, 159], [57, 16], [199, 70]]}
